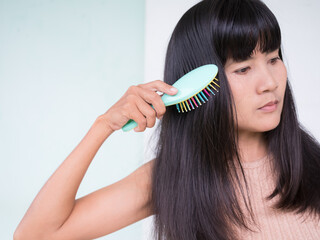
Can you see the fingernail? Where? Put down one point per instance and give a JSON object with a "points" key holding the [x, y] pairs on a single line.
{"points": [[173, 89]]}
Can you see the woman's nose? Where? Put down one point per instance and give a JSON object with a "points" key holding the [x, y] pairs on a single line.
{"points": [[267, 80]]}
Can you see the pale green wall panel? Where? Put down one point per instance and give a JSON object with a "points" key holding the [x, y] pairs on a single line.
{"points": [[62, 64]]}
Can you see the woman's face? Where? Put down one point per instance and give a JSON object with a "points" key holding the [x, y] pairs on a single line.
{"points": [[258, 85]]}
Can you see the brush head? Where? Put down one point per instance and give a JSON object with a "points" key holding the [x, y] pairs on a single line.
{"points": [[194, 88]]}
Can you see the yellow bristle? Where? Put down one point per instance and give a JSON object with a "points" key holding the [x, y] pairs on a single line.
{"points": [[181, 107], [188, 105], [216, 84], [199, 102], [213, 87], [184, 106]]}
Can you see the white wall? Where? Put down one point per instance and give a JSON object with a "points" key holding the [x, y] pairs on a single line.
{"points": [[299, 21], [62, 64]]}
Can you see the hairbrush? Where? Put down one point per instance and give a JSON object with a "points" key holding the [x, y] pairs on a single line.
{"points": [[194, 89]]}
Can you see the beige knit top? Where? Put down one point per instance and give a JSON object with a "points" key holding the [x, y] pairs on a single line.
{"points": [[273, 224]]}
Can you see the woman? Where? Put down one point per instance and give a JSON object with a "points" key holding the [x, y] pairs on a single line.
{"points": [[238, 167]]}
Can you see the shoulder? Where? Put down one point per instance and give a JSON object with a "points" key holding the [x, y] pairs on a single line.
{"points": [[142, 175]]}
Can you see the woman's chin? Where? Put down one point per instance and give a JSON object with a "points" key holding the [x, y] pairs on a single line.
{"points": [[268, 125], [261, 126]]}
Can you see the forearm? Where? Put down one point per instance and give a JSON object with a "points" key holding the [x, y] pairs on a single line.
{"points": [[55, 201]]}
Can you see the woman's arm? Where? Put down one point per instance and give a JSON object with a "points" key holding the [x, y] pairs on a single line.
{"points": [[55, 214]]}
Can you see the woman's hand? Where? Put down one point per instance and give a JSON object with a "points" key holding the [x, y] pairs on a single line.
{"points": [[135, 104]]}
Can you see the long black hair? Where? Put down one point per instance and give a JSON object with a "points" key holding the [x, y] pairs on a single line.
{"points": [[193, 191]]}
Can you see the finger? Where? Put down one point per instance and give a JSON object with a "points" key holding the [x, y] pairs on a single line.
{"points": [[154, 99], [138, 117], [141, 112], [148, 112], [161, 86]]}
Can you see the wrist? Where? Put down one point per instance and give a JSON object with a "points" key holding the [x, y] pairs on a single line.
{"points": [[102, 124]]}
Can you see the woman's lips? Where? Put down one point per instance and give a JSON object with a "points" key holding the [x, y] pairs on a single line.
{"points": [[270, 106]]}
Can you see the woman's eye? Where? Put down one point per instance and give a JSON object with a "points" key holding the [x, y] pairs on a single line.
{"points": [[242, 70], [274, 60]]}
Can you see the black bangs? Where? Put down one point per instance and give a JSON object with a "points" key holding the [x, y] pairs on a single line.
{"points": [[242, 27]]}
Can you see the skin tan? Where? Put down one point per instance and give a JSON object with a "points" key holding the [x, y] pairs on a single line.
{"points": [[56, 214], [255, 82]]}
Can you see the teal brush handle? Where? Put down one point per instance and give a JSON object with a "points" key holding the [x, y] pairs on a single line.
{"points": [[195, 83], [129, 125]]}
